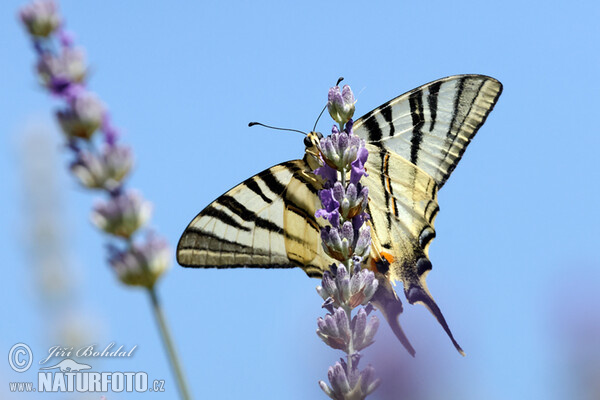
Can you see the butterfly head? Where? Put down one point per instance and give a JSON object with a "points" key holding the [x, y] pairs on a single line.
{"points": [[312, 141]]}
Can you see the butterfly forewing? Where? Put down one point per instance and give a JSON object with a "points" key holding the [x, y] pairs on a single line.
{"points": [[432, 125]]}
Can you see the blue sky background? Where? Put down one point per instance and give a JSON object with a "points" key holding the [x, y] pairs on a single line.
{"points": [[516, 267]]}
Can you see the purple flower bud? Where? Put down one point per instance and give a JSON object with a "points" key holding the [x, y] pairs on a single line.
{"points": [[363, 244], [143, 263], [122, 215], [340, 104], [329, 202], [40, 18], [328, 391], [333, 244], [342, 279], [341, 145], [328, 173], [368, 381], [369, 286], [363, 332], [334, 330], [358, 166], [348, 127], [338, 379], [329, 287], [83, 117], [363, 286], [103, 171], [343, 325], [59, 72]]}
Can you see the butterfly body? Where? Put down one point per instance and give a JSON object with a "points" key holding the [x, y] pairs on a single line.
{"points": [[414, 141]]}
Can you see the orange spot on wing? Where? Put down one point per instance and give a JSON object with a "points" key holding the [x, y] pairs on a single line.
{"points": [[388, 257], [382, 255]]}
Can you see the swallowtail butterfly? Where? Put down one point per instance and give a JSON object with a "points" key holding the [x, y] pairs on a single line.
{"points": [[415, 141]]}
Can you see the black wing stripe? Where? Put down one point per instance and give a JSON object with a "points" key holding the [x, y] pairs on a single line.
{"points": [[387, 115], [271, 182], [211, 211], [372, 127], [310, 219], [384, 184], [388, 189], [246, 215], [252, 185], [416, 111], [229, 245], [432, 100], [434, 213]]}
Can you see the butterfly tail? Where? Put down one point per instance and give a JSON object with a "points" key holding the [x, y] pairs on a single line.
{"points": [[417, 292], [386, 301]]}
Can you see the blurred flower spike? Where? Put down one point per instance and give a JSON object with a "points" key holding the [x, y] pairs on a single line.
{"points": [[104, 167], [41, 18], [85, 120], [347, 240]]}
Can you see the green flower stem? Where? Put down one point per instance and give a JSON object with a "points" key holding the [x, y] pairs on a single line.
{"points": [[168, 343]]}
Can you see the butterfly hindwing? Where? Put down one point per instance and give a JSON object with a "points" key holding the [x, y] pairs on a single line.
{"points": [[267, 221], [415, 141]]}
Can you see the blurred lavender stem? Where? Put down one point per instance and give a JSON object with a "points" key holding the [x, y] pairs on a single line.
{"points": [[168, 343], [62, 71]]}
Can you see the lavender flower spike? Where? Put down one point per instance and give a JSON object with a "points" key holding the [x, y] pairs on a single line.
{"points": [[347, 240]]}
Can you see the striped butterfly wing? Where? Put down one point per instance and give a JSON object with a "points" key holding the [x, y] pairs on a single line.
{"points": [[415, 141], [267, 221]]}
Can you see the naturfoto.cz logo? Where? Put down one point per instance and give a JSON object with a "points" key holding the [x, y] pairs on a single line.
{"points": [[69, 375]]}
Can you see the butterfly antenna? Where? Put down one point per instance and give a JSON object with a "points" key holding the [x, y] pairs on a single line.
{"points": [[319, 117], [274, 127], [341, 78]]}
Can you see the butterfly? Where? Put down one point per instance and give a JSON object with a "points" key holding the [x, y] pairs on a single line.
{"points": [[414, 141]]}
